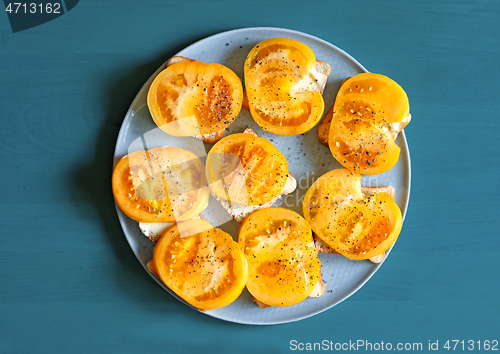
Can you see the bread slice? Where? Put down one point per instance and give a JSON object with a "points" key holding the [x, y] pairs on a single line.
{"points": [[260, 303], [319, 289], [323, 68], [154, 230], [239, 211], [323, 247], [324, 128], [210, 138], [392, 128], [177, 59], [316, 79], [320, 67]]}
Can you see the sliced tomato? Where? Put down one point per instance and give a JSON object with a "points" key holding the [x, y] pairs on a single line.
{"points": [[282, 261], [355, 225], [366, 108], [201, 264], [164, 184], [273, 69], [361, 146], [192, 98], [246, 169]]}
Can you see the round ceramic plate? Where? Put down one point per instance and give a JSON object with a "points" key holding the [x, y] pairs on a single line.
{"points": [[307, 160]]}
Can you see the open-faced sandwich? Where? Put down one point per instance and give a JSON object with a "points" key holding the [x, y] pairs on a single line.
{"points": [[284, 84], [200, 263], [357, 222], [192, 98], [247, 173], [164, 184], [283, 264], [361, 128]]}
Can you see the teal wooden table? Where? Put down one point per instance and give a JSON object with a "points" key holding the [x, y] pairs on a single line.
{"points": [[69, 281]]}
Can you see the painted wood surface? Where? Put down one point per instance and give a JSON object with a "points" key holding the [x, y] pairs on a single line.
{"points": [[69, 281]]}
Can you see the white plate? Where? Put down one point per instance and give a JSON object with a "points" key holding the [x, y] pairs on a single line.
{"points": [[307, 160]]}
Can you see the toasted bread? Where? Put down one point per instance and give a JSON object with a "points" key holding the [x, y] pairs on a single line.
{"points": [[374, 190], [392, 128], [260, 303], [239, 211], [322, 68], [211, 138], [323, 247], [154, 230], [177, 59], [324, 128], [319, 289]]}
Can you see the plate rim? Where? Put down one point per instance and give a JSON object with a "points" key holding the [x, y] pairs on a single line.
{"points": [[122, 133]]}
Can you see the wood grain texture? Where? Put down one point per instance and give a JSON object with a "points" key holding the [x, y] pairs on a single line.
{"points": [[69, 281]]}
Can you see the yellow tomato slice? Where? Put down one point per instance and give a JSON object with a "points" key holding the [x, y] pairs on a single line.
{"points": [[193, 98], [273, 68], [246, 169], [375, 97], [355, 225], [201, 264], [366, 107], [283, 268], [164, 184], [361, 146]]}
